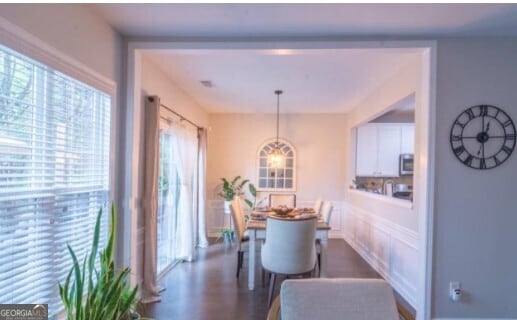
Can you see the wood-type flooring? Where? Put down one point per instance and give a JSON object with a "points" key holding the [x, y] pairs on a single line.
{"points": [[207, 289]]}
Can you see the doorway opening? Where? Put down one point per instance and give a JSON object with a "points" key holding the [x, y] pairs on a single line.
{"points": [[424, 130]]}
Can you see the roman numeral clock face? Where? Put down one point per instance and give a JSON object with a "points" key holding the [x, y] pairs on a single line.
{"points": [[483, 137]]}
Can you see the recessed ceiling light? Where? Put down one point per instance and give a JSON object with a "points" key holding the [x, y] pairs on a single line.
{"points": [[207, 83]]}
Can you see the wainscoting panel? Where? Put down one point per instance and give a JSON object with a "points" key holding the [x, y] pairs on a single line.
{"points": [[217, 219], [390, 249], [380, 247]]}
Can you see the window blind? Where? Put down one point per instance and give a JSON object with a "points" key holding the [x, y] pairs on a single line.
{"points": [[54, 176]]}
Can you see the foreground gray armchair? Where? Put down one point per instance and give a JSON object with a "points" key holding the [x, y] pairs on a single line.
{"points": [[322, 299]]}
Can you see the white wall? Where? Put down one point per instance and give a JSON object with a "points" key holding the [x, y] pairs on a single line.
{"points": [[384, 231], [475, 211], [319, 140], [73, 29], [401, 85], [156, 82]]}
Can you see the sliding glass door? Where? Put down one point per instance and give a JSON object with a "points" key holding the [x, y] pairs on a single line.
{"points": [[167, 205], [176, 202]]}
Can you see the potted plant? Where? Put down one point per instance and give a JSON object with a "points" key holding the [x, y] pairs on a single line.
{"points": [[232, 188], [226, 234], [91, 293]]}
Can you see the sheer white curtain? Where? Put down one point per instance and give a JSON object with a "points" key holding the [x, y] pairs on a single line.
{"points": [[184, 150]]}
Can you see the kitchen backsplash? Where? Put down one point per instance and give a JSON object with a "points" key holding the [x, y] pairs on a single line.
{"points": [[373, 183]]}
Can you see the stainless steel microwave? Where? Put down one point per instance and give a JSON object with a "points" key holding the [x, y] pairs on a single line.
{"points": [[406, 164]]}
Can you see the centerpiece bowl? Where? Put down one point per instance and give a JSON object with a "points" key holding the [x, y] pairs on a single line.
{"points": [[282, 211]]}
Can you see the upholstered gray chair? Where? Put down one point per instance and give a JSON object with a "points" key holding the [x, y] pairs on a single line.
{"points": [[329, 299], [240, 228], [289, 248]]}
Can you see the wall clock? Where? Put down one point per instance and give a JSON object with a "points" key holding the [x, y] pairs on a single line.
{"points": [[483, 137]]}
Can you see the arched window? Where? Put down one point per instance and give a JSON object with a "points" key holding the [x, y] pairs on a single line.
{"points": [[274, 179]]}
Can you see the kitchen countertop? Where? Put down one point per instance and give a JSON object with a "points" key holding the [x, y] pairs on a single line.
{"points": [[392, 200]]}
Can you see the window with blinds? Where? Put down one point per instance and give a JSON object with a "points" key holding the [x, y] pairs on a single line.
{"points": [[54, 176]]}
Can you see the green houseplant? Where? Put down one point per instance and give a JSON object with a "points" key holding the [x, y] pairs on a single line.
{"points": [[98, 294], [231, 188]]}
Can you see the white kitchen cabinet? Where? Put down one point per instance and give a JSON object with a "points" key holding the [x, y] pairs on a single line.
{"points": [[407, 138], [388, 149], [366, 163], [379, 146]]}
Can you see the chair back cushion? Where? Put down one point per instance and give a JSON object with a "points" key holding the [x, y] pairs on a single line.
{"points": [[351, 299], [326, 211], [289, 247]]}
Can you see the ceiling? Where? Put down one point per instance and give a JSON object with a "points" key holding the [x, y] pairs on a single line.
{"points": [[266, 20], [314, 81]]}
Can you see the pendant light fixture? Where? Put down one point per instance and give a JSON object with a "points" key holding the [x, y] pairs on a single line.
{"points": [[276, 158]]}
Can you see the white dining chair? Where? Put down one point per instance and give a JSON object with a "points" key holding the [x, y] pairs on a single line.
{"points": [[317, 205], [240, 228], [289, 248], [326, 213], [286, 199]]}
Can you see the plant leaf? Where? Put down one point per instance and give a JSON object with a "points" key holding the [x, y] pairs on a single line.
{"points": [[109, 295], [95, 244], [234, 181], [77, 284], [239, 187], [253, 190], [249, 203]]}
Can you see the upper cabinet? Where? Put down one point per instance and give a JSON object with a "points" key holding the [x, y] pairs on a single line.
{"points": [[407, 138], [367, 145], [379, 146]]}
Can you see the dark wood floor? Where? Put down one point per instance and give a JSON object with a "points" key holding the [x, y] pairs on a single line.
{"points": [[207, 288]]}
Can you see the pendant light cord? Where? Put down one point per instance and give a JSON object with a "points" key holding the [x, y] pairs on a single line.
{"points": [[278, 93]]}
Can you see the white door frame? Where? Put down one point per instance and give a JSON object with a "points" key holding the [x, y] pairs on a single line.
{"points": [[425, 123]]}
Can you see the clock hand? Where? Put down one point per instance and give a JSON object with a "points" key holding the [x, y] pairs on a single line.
{"points": [[487, 127]]}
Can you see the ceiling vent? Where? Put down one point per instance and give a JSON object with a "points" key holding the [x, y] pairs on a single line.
{"points": [[207, 83]]}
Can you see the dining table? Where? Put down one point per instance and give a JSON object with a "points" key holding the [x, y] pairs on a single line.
{"points": [[257, 231]]}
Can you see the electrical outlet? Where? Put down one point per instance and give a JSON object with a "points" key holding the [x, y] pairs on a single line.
{"points": [[455, 291]]}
